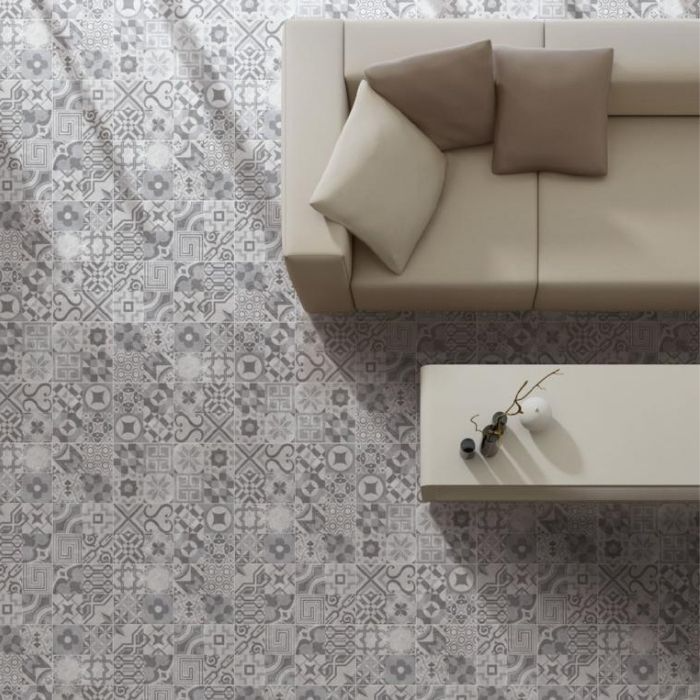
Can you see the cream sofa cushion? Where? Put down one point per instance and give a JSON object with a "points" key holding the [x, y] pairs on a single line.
{"points": [[383, 180], [628, 241], [479, 251]]}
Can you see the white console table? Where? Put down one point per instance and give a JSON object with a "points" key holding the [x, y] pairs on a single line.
{"points": [[620, 432]]}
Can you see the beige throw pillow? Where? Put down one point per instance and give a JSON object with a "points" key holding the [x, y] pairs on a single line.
{"points": [[383, 180], [448, 94], [552, 110]]}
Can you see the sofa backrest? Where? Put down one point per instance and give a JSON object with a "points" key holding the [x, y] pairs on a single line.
{"points": [[656, 69], [371, 42]]}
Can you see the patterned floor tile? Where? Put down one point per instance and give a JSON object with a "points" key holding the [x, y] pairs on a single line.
{"points": [[205, 492]]}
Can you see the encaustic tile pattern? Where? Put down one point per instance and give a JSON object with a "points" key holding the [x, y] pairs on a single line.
{"points": [[204, 492]]}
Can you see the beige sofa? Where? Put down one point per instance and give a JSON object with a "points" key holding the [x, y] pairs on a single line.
{"points": [[627, 241]]}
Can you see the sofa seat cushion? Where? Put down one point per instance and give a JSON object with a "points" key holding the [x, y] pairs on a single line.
{"points": [[628, 241], [479, 251]]}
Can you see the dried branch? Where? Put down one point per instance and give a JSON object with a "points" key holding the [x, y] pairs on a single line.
{"points": [[474, 423], [515, 408]]}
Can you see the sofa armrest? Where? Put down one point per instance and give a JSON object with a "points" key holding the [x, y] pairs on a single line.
{"points": [[318, 253]]}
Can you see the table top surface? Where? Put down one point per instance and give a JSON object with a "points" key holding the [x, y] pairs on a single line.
{"points": [[613, 426]]}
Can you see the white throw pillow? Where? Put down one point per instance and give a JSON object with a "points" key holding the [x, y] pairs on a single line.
{"points": [[383, 181]]}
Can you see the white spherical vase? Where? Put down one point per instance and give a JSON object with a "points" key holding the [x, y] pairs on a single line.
{"points": [[537, 413]]}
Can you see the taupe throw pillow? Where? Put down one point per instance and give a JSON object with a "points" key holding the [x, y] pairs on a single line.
{"points": [[448, 94], [552, 110], [383, 180]]}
